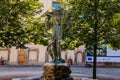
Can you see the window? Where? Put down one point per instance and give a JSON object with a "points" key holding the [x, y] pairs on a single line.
{"points": [[56, 4]]}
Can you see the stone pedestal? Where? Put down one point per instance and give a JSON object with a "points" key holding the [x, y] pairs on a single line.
{"points": [[56, 71], [88, 79]]}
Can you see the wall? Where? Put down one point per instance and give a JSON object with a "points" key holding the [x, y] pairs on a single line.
{"points": [[35, 54]]}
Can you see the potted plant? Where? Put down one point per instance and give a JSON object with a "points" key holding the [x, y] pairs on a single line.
{"points": [[69, 61], [1, 61]]}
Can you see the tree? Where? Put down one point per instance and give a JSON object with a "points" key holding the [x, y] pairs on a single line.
{"points": [[94, 21], [18, 23]]}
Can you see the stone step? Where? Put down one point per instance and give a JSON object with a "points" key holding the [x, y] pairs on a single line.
{"points": [[28, 78], [88, 79]]}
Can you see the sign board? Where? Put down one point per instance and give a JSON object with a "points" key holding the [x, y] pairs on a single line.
{"points": [[104, 54]]}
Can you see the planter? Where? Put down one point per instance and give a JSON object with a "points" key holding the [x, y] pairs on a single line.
{"points": [[69, 62], [1, 62]]}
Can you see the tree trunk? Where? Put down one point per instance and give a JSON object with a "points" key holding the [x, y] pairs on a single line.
{"points": [[95, 37], [94, 61]]}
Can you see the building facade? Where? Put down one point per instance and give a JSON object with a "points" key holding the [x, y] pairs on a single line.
{"points": [[36, 54]]}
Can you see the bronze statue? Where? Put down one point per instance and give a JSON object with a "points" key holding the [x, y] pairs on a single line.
{"points": [[54, 46]]}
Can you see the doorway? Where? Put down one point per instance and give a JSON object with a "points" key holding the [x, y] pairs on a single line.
{"points": [[78, 57], [22, 57]]}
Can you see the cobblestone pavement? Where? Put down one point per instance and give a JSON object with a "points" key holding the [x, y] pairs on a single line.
{"points": [[6, 73]]}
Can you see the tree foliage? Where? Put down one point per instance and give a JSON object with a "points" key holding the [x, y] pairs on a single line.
{"points": [[83, 22], [18, 23]]}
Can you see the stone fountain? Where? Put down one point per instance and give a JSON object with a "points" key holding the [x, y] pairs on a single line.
{"points": [[57, 69]]}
